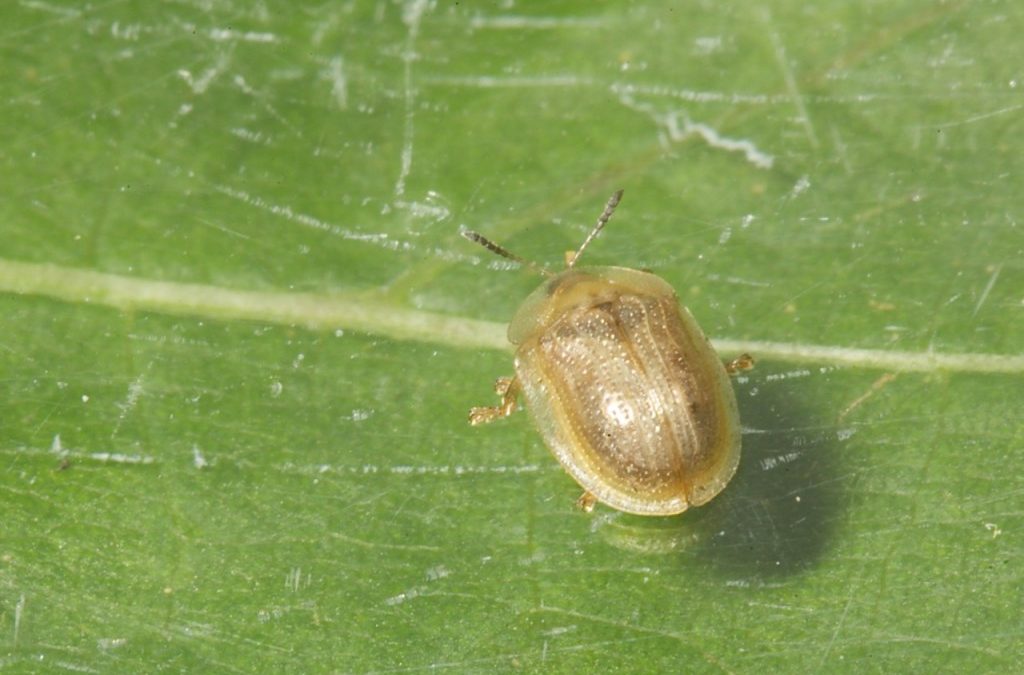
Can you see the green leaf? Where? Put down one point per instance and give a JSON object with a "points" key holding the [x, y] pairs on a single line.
{"points": [[241, 333]]}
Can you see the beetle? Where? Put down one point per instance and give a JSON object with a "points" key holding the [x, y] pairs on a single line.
{"points": [[626, 390]]}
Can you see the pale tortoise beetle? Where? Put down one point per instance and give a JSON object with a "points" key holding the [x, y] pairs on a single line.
{"points": [[626, 390]]}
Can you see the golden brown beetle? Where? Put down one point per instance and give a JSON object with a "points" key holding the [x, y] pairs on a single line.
{"points": [[626, 390]]}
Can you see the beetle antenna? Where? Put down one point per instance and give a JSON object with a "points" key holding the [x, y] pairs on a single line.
{"points": [[609, 209], [478, 238]]}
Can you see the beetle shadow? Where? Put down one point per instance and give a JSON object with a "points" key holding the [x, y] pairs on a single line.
{"points": [[778, 514]]}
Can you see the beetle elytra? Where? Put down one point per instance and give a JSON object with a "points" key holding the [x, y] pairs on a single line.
{"points": [[626, 390]]}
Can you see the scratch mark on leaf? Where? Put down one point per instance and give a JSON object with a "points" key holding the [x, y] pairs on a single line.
{"points": [[679, 127], [200, 84], [776, 377], [246, 88], [842, 152], [75, 667], [731, 97], [287, 213], [198, 459], [110, 643], [800, 187], [988, 288], [978, 118], [412, 17], [949, 644], [227, 35], [876, 386], [49, 7], [738, 281], [835, 631], [769, 463], [339, 83], [521, 82], [761, 160], [433, 574], [772, 605], [681, 638], [381, 545], [510, 660], [58, 448], [412, 470], [294, 580], [135, 390], [19, 612], [791, 86], [514, 22], [994, 529]]}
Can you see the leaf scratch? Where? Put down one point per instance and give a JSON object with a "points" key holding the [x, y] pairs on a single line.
{"points": [[988, 287]]}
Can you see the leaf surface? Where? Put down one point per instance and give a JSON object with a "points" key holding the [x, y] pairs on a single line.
{"points": [[241, 333]]}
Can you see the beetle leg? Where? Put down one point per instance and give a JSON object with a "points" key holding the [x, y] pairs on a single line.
{"points": [[739, 364], [586, 502], [502, 384], [508, 389]]}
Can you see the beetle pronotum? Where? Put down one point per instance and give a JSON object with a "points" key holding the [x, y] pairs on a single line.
{"points": [[626, 390]]}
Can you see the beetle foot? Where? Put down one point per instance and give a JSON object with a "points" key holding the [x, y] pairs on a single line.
{"points": [[586, 502], [508, 389], [483, 415], [739, 364]]}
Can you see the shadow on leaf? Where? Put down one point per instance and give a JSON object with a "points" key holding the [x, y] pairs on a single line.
{"points": [[777, 515]]}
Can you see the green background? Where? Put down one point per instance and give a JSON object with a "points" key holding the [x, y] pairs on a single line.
{"points": [[209, 477]]}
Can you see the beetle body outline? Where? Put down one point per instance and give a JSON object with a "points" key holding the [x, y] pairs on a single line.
{"points": [[625, 388]]}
